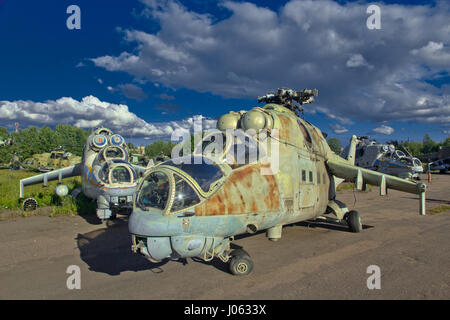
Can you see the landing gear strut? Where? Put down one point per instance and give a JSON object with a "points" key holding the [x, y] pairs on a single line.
{"points": [[240, 264]]}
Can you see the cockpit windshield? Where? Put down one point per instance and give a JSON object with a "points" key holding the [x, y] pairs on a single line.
{"points": [[155, 191], [116, 172], [406, 161], [236, 149], [202, 172], [400, 154], [113, 153], [120, 174], [185, 196]]}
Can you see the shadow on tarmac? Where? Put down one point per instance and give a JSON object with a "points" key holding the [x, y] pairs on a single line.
{"points": [[108, 250]]}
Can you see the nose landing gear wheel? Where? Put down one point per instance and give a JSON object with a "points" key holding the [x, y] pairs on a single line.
{"points": [[354, 221], [241, 264]]}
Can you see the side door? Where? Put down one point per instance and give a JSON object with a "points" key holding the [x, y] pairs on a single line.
{"points": [[306, 186]]}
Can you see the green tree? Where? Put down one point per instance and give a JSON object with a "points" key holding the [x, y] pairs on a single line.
{"points": [[131, 147], [446, 143], [335, 145], [414, 147], [428, 144], [47, 139], [70, 138], [26, 142], [159, 147], [4, 134]]}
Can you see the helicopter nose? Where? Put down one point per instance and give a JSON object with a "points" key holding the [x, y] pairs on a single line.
{"points": [[154, 248]]}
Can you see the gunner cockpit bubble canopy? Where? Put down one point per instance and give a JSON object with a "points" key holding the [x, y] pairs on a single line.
{"points": [[185, 179]]}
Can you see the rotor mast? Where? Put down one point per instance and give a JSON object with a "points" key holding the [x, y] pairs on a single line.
{"points": [[286, 98]]}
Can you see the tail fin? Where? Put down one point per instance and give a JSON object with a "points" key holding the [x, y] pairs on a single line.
{"points": [[351, 151]]}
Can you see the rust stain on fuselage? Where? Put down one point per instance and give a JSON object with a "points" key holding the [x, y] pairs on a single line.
{"points": [[285, 129], [245, 191]]}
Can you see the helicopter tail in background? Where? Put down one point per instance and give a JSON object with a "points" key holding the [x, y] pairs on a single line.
{"points": [[351, 152]]}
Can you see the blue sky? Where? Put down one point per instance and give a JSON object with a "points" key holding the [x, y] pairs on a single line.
{"points": [[41, 61]]}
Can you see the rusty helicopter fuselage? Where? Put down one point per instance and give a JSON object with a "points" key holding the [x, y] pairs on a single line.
{"points": [[194, 206]]}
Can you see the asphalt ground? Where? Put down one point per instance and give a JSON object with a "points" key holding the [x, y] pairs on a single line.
{"points": [[313, 260]]}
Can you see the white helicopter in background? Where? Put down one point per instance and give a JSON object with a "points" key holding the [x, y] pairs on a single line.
{"points": [[385, 158]]}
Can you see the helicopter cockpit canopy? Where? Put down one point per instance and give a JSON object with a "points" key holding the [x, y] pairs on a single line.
{"points": [[103, 131], [192, 176], [406, 161], [399, 154], [417, 162], [201, 169], [113, 153], [235, 149], [117, 172]]}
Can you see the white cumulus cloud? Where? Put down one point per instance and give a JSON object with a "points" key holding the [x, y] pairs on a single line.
{"points": [[89, 113], [338, 129], [383, 129], [361, 74]]}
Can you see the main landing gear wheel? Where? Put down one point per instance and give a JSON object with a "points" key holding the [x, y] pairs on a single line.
{"points": [[354, 221], [241, 264]]}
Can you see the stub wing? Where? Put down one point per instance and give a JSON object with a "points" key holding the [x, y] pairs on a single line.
{"points": [[363, 176], [58, 174]]}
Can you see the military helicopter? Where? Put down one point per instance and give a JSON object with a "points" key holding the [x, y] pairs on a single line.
{"points": [[106, 174], [385, 158], [6, 142], [194, 205], [14, 163], [442, 165], [439, 160], [55, 159]]}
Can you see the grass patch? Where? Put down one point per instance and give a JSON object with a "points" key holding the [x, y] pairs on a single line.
{"points": [[351, 186], [45, 196], [439, 209]]}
